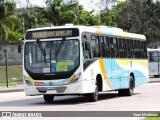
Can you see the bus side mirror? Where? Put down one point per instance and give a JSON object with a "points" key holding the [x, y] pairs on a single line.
{"points": [[19, 48]]}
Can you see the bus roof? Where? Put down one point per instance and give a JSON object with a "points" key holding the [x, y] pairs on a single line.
{"points": [[102, 30]]}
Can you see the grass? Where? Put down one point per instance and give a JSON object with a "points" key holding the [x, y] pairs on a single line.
{"points": [[14, 75], [153, 118]]}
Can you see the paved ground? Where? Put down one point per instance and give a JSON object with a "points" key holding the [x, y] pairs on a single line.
{"points": [[145, 98], [21, 88]]}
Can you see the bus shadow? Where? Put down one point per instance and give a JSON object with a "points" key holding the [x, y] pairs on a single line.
{"points": [[82, 99], [60, 100]]}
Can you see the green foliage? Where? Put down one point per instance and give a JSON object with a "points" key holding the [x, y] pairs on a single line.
{"points": [[131, 15], [14, 37], [13, 72], [8, 21], [141, 17], [152, 118]]}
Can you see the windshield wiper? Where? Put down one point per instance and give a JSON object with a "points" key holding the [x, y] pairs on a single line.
{"points": [[59, 47], [41, 49]]}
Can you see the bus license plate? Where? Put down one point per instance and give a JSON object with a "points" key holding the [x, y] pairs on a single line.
{"points": [[51, 91]]}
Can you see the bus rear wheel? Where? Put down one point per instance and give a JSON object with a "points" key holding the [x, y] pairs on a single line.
{"points": [[156, 76], [93, 97], [48, 98], [129, 91]]}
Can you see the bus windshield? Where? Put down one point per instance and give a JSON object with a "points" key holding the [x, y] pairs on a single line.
{"points": [[57, 56]]}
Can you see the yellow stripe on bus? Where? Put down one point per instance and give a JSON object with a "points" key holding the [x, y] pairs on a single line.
{"points": [[72, 78], [101, 62]]}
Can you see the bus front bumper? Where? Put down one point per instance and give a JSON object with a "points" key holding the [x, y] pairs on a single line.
{"points": [[81, 87]]}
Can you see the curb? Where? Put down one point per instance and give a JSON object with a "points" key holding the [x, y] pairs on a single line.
{"points": [[154, 81], [16, 90], [11, 89]]}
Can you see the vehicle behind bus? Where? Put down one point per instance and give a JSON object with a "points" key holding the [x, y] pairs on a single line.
{"points": [[154, 62]]}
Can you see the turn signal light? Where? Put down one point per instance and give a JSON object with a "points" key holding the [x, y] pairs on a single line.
{"points": [[38, 83]]}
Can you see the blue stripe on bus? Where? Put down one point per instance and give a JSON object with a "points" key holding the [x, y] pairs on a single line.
{"points": [[114, 71], [60, 82]]}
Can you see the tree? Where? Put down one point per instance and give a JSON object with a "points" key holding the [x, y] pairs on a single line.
{"points": [[141, 17], [109, 14], [8, 21], [58, 13]]}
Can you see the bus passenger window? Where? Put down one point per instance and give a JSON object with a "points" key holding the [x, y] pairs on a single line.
{"points": [[128, 49], [117, 48], [86, 48], [153, 57], [103, 50], [121, 48], [143, 49], [95, 46], [132, 48], [137, 49], [112, 48], [125, 48], [107, 46]]}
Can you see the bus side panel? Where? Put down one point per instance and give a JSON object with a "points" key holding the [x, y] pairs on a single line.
{"points": [[121, 73], [140, 70], [144, 75], [116, 74], [138, 67], [98, 68], [108, 72]]}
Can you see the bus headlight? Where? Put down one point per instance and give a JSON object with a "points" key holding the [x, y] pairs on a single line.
{"points": [[27, 81], [76, 77]]}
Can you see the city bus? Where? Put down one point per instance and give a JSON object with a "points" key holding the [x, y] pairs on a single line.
{"points": [[83, 60], [154, 62]]}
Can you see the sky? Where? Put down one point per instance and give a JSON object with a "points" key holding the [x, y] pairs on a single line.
{"points": [[88, 4]]}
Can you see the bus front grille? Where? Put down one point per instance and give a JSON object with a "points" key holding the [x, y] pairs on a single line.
{"points": [[58, 89]]}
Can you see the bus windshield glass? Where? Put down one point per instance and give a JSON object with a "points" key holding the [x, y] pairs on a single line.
{"points": [[52, 56]]}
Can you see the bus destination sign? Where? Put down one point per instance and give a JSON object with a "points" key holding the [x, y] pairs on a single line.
{"points": [[49, 34], [44, 34]]}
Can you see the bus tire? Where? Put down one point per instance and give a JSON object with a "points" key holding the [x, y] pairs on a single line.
{"points": [[156, 76], [93, 97], [48, 98], [129, 91], [121, 92]]}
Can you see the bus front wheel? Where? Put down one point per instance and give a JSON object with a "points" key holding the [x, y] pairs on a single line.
{"points": [[48, 98], [93, 97]]}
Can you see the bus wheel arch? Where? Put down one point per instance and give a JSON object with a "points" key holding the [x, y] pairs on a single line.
{"points": [[130, 89], [99, 82], [132, 78], [93, 97]]}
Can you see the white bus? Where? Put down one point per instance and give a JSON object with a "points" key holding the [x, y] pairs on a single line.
{"points": [[154, 62], [83, 60]]}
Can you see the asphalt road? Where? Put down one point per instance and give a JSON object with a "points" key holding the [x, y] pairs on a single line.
{"points": [[146, 98]]}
